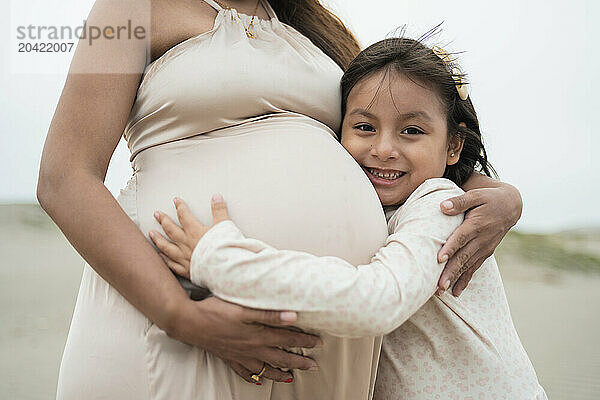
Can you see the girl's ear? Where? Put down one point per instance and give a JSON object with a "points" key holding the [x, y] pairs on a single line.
{"points": [[455, 146]]}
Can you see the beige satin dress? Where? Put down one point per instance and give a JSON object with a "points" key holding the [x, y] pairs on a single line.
{"points": [[255, 120]]}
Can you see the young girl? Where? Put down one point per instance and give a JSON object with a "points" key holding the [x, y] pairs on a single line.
{"points": [[410, 125]]}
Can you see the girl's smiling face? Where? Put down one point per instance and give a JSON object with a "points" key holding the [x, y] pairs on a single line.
{"points": [[397, 131]]}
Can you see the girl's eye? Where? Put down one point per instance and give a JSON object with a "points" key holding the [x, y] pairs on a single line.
{"points": [[365, 128], [411, 130]]}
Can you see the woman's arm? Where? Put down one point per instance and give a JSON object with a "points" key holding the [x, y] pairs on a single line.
{"points": [[330, 293], [492, 208], [87, 125]]}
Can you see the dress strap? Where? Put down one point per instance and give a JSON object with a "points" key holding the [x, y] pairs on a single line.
{"points": [[214, 4], [268, 8]]}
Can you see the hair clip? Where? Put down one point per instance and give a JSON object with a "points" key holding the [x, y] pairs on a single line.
{"points": [[455, 71]]}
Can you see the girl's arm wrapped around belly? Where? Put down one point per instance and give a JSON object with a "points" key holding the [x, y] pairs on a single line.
{"points": [[329, 293]]}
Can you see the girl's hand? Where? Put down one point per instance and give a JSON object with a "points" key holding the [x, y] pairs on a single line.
{"points": [[245, 338], [490, 213], [178, 252]]}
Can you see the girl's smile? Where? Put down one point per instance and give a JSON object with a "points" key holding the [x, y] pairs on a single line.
{"points": [[383, 177], [396, 129]]}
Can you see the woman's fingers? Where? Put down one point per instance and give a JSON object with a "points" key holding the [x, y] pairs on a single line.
{"points": [[219, 209], [278, 375], [245, 369], [459, 239], [458, 274], [465, 278], [242, 371], [271, 340], [286, 338], [173, 231], [460, 204], [456, 266], [283, 359], [251, 367], [169, 249]]}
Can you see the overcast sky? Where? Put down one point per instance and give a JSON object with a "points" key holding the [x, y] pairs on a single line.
{"points": [[533, 67]]}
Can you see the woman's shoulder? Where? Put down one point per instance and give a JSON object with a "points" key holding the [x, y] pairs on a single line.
{"points": [[175, 22]]}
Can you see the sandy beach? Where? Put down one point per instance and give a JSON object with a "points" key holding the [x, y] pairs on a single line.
{"points": [[552, 293]]}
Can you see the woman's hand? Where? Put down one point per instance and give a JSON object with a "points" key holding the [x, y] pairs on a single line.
{"points": [[177, 253], [245, 338], [490, 213]]}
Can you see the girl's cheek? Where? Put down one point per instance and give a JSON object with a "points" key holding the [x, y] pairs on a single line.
{"points": [[353, 149], [347, 144]]}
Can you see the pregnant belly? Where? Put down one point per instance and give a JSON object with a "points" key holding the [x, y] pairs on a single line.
{"points": [[285, 179]]}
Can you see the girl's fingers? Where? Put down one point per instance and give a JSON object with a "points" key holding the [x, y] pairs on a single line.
{"points": [[185, 216], [267, 317], [169, 249], [173, 231], [177, 268], [219, 209]]}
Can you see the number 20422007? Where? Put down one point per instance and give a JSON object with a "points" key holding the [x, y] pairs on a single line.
{"points": [[45, 47]]}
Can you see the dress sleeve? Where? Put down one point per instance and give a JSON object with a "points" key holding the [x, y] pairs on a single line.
{"points": [[329, 293]]}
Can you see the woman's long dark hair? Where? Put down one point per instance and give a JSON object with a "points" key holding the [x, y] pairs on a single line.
{"points": [[321, 26], [420, 64]]}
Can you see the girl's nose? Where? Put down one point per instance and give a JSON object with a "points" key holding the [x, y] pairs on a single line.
{"points": [[384, 148]]}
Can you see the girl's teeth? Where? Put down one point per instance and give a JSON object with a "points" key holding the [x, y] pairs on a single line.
{"points": [[391, 176]]}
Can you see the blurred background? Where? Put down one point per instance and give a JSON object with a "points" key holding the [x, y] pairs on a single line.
{"points": [[532, 69]]}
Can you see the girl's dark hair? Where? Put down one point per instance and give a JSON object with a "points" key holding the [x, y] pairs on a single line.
{"points": [[321, 26], [420, 64]]}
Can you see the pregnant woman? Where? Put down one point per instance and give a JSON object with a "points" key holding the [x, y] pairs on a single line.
{"points": [[235, 101]]}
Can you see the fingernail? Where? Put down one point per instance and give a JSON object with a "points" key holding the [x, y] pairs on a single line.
{"points": [[314, 368], [258, 384], [176, 200], [446, 284], [217, 198], [444, 258], [151, 234], [288, 316], [156, 214], [447, 205], [289, 380]]}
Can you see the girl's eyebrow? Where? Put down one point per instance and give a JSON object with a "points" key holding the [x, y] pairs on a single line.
{"points": [[415, 115], [403, 116], [363, 112]]}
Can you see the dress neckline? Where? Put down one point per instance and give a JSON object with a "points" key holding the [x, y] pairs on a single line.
{"points": [[217, 23], [265, 3]]}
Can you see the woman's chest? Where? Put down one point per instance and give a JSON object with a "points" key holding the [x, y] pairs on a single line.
{"points": [[224, 74]]}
